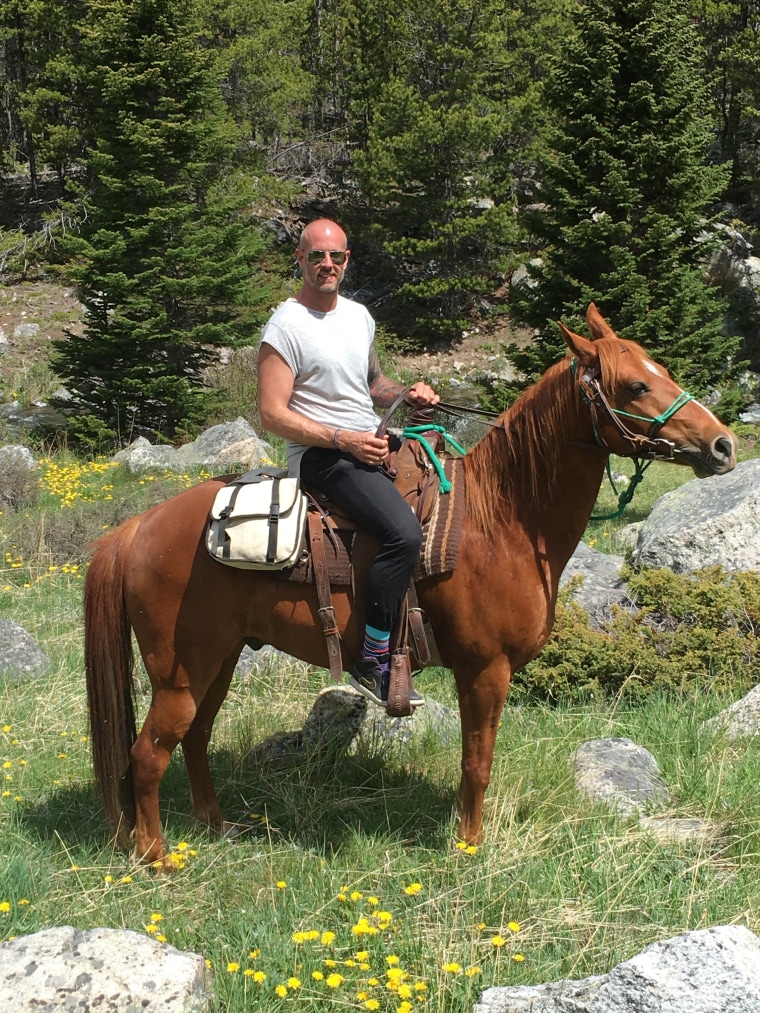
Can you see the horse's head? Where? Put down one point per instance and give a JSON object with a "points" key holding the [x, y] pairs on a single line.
{"points": [[638, 410]]}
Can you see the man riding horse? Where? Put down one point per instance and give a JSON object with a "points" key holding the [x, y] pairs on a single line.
{"points": [[319, 376]]}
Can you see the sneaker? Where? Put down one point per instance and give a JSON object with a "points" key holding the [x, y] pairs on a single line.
{"points": [[371, 677], [415, 699]]}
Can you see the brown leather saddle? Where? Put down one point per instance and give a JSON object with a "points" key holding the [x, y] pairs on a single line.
{"points": [[339, 554]]}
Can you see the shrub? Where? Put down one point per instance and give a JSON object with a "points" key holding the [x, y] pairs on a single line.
{"points": [[689, 632]]}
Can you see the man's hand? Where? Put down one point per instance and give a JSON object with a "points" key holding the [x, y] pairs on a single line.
{"points": [[365, 447], [421, 394]]}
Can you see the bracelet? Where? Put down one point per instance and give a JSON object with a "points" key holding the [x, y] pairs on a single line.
{"points": [[335, 438]]}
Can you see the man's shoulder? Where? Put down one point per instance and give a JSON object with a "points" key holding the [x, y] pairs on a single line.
{"points": [[350, 309], [286, 310]]}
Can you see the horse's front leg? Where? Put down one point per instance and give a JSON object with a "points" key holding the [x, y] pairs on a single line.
{"points": [[195, 747], [481, 701]]}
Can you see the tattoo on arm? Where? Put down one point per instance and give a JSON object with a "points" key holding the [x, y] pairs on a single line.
{"points": [[384, 391]]}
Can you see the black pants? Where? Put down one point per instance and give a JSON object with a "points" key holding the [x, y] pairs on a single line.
{"points": [[369, 497]]}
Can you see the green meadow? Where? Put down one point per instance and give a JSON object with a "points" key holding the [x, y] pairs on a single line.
{"points": [[347, 887]]}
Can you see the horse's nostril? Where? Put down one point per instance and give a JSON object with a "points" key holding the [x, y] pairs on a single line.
{"points": [[723, 448]]}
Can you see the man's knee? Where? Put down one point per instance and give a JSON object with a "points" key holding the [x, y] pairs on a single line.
{"points": [[409, 537]]}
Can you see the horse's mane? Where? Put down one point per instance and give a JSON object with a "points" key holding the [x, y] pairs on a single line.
{"points": [[514, 464]]}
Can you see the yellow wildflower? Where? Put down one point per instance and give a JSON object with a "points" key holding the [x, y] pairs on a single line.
{"points": [[233, 967], [513, 927], [413, 889], [498, 941], [334, 980], [452, 968], [281, 990]]}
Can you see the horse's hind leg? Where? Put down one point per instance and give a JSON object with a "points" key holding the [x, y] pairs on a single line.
{"points": [[169, 716], [195, 747]]}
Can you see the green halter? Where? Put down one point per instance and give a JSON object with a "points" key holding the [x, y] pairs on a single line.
{"points": [[656, 423]]}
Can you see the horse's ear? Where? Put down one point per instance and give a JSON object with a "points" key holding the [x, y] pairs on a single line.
{"points": [[597, 324], [581, 348]]}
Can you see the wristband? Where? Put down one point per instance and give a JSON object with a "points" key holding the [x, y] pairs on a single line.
{"points": [[335, 438]]}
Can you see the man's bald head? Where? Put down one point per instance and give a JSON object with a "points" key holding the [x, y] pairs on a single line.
{"points": [[323, 234]]}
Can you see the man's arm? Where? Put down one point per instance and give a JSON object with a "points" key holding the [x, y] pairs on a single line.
{"points": [[275, 389], [384, 391]]}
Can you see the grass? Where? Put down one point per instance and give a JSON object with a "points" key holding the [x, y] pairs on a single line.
{"points": [[359, 857], [659, 479], [346, 888]]}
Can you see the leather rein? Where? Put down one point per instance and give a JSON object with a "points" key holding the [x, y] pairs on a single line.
{"points": [[637, 445]]}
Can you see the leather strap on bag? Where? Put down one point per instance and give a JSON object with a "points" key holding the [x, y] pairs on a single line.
{"points": [[274, 520], [324, 597]]}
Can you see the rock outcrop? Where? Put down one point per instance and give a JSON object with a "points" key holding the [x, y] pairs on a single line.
{"points": [[109, 970], [714, 970]]}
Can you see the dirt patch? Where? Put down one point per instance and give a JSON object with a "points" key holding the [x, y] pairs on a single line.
{"points": [[32, 314], [476, 353]]}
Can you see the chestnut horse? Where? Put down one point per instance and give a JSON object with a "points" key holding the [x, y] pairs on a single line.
{"points": [[531, 484]]}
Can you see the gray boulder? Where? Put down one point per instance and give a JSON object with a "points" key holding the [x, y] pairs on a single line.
{"points": [[112, 970], [228, 443], [15, 457], [706, 522], [739, 721], [713, 970], [20, 657], [602, 585], [142, 455], [26, 330], [223, 446], [343, 721], [619, 773]]}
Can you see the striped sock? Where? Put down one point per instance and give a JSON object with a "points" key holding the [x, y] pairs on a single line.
{"points": [[376, 642]]}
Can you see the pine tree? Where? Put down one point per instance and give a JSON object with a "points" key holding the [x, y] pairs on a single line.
{"points": [[424, 121], [730, 34], [163, 257], [37, 84], [626, 185]]}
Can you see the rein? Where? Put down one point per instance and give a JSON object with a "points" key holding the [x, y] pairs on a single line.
{"points": [[645, 447]]}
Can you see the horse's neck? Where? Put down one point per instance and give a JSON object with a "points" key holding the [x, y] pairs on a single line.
{"points": [[549, 515]]}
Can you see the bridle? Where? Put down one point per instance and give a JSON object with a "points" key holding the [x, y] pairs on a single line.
{"points": [[637, 445]]}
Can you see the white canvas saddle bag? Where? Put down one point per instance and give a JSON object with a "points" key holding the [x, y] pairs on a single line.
{"points": [[258, 522]]}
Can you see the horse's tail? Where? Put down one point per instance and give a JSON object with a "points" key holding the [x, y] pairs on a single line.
{"points": [[109, 665]]}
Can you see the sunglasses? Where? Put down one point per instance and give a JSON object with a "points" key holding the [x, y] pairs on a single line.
{"points": [[317, 256]]}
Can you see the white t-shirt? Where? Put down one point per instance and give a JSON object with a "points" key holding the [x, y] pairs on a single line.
{"points": [[330, 355]]}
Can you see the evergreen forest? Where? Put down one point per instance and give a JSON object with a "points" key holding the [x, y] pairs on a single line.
{"points": [[161, 156]]}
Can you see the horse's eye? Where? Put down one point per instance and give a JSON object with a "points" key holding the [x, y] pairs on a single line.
{"points": [[638, 388]]}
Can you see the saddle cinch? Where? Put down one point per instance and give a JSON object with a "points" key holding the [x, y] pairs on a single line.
{"points": [[326, 548]]}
